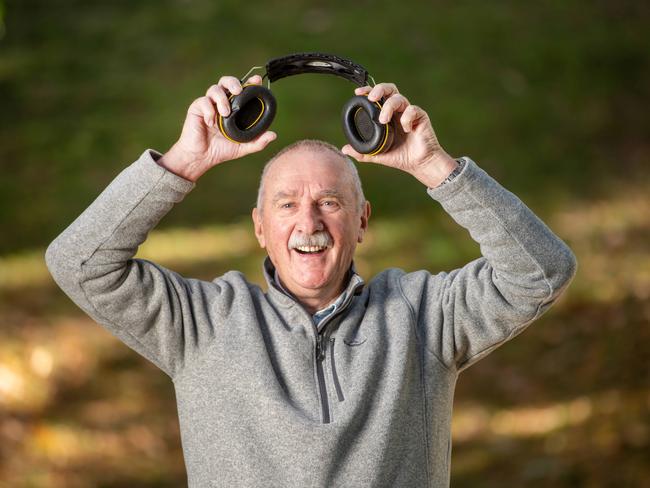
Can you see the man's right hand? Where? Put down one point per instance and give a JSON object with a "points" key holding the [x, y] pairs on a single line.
{"points": [[201, 144]]}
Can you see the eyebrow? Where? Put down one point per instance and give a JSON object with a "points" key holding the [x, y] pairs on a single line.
{"points": [[325, 193]]}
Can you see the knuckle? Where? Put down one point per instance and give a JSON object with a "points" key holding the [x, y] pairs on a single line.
{"points": [[396, 101], [230, 82]]}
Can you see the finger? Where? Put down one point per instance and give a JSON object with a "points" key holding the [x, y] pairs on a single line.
{"points": [[362, 90], [382, 90], [411, 117], [259, 143], [204, 108], [219, 97], [254, 80], [231, 84], [395, 103], [350, 151]]}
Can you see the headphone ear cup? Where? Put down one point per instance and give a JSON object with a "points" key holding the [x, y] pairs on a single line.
{"points": [[362, 129], [251, 113]]}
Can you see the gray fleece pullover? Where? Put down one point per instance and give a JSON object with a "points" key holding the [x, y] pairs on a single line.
{"points": [[264, 400]]}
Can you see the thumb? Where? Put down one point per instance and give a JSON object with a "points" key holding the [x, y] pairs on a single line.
{"points": [[350, 151], [260, 143]]}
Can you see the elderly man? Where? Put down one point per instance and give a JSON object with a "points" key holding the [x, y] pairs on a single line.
{"points": [[322, 380]]}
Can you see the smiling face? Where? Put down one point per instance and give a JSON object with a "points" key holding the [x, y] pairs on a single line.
{"points": [[310, 223]]}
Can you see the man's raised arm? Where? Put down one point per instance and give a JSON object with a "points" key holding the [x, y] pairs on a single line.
{"points": [[465, 314], [144, 304]]}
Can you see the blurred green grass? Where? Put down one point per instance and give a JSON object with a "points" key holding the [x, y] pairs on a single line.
{"points": [[549, 97], [543, 95]]}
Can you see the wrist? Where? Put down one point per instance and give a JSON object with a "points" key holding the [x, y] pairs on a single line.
{"points": [[435, 170], [181, 164]]}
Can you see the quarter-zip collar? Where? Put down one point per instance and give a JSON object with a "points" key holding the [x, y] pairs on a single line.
{"points": [[321, 314], [283, 298], [323, 338]]}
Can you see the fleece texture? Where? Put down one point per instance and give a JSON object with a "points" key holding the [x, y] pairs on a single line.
{"points": [[264, 398]]}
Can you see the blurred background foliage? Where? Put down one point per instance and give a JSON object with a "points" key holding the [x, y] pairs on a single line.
{"points": [[549, 97]]}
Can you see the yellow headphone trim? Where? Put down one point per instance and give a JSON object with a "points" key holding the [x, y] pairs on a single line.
{"points": [[386, 130], [377, 151], [252, 124]]}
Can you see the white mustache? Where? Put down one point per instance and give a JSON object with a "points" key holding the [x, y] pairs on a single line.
{"points": [[318, 239]]}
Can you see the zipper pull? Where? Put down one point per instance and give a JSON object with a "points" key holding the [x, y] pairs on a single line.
{"points": [[320, 350]]}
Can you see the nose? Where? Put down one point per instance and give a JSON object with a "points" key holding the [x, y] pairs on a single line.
{"points": [[309, 220]]}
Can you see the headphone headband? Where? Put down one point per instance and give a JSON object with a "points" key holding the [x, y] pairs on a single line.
{"points": [[254, 108], [299, 63]]}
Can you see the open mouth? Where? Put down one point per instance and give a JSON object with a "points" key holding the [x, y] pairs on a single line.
{"points": [[310, 249]]}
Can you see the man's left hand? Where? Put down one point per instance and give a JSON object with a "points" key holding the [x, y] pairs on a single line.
{"points": [[415, 148]]}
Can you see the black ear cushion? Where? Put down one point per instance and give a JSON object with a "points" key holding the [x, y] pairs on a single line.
{"points": [[251, 113], [361, 126]]}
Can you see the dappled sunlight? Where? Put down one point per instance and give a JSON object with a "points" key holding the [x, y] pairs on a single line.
{"points": [[24, 269], [611, 238], [183, 248], [587, 435], [470, 422], [36, 362], [71, 453], [177, 246], [554, 107], [187, 246], [63, 444], [77, 404]]}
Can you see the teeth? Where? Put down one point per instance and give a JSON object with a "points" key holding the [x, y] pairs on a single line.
{"points": [[309, 248]]}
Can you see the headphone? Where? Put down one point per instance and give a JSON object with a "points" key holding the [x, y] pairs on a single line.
{"points": [[253, 110]]}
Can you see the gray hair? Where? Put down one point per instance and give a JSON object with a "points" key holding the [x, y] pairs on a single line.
{"points": [[316, 145]]}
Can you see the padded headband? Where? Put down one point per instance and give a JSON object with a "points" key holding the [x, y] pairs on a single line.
{"points": [[253, 110], [299, 63]]}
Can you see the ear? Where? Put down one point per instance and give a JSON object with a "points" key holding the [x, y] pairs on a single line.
{"points": [[259, 229], [365, 216]]}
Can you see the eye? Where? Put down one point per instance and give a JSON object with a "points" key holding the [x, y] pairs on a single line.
{"points": [[286, 205], [330, 203]]}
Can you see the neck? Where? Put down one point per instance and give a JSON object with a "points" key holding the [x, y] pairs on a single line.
{"points": [[313, 304], [313, 300]]}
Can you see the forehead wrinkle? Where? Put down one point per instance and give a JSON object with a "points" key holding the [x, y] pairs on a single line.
{"points": [[348, 176], [282, 194], [327, 192], [332, 193]]}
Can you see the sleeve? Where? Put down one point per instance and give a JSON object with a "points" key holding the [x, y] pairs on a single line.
{"points": [[465, 314], [161, 315]]}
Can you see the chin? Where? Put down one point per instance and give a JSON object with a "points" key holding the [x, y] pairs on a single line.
{"points": [[313, 284]]}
